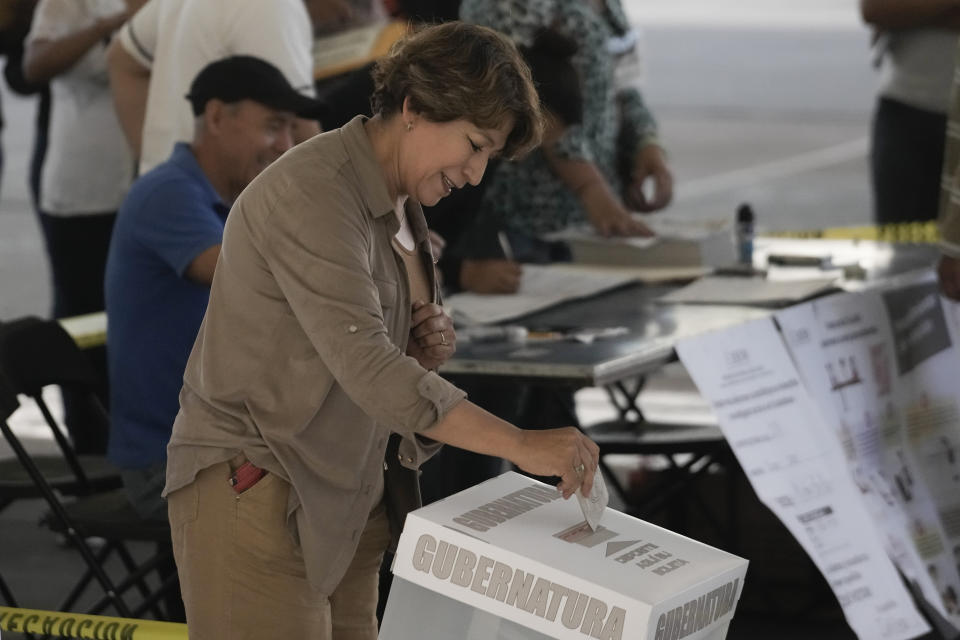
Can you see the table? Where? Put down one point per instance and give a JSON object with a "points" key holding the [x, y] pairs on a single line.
{"points": [[621, 364]]}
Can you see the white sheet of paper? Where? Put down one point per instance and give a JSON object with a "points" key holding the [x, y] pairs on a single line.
{"points": [[736, 290], [796, 466], [541, 286], [843, 347], [594, 504]]}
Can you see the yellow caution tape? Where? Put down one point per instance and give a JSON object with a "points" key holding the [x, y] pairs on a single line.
{"points": [[900, 233], [86, 627]]}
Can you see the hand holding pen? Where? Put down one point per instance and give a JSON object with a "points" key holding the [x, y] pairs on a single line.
{"points": [[492, 275]]}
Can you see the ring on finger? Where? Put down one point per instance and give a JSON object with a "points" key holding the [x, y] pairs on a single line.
{"points": [[443, 339], [579, 469]]}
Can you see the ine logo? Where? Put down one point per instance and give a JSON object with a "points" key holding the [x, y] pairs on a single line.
{"points": [[737, 358]]}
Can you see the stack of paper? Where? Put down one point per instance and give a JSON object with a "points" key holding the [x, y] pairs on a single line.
{"points": [[540, 287], [748, 291], [347, 50], [677, 243]]}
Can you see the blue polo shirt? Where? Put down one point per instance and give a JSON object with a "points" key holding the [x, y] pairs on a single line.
{"points": [[170, 216]]}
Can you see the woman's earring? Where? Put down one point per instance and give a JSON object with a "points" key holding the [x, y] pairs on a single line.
{"points": [[409, 126]]}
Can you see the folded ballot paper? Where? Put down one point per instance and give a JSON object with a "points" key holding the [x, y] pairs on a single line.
{"points": [[510, 558], [594, 503], [677, 243]]}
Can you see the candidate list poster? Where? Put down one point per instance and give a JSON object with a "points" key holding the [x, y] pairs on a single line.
{"points": [[795, 465], [843, 347], [926, 370]]}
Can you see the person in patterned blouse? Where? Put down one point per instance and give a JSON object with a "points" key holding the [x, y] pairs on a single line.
{"points": [[596, 169]]}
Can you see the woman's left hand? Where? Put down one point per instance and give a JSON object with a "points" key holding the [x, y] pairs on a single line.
{"points": [[651, 163], [432, 338]]}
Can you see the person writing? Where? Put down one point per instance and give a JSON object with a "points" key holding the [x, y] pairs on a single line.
{"points": [[480, 256], [310, 397], [597, 171], [86, 172]]}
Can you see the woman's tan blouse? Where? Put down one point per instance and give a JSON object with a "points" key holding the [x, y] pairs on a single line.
{"points": [[300, 360]]}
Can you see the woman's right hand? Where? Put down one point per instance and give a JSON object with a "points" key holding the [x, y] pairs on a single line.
{"points": [[559, 452], [490, 276], [607, 215]]}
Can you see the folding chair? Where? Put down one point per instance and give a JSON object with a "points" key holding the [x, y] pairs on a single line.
{"points": [[35, 353], [28, 348]]}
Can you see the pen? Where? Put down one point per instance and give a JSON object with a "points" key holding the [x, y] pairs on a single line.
{"points": [[505, 246]]}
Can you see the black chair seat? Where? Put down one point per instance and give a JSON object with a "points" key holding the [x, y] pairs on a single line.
{"points": [[15, 480], [37, 353], [110, 515]]}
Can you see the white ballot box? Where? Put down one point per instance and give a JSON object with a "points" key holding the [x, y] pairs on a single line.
{"points": [[510, 559]]}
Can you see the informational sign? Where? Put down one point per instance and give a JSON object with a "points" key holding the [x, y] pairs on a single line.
{"points": [[795, 463], [847, 355], [513, 547]]}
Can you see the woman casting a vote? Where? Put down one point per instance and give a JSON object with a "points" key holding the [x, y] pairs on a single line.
{"points": [[320, 343]]}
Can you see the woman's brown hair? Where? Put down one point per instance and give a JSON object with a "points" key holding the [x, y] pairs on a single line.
{"points": [[456, 71]]}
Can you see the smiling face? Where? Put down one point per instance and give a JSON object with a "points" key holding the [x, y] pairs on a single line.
{"points": [[437, 157], [253, 136]]}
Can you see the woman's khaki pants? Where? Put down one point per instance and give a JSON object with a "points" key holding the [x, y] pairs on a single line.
{"points": [[242, 575]]}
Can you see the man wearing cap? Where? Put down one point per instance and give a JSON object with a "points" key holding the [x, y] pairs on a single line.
{"points": [[163, 46], [165, 245]]}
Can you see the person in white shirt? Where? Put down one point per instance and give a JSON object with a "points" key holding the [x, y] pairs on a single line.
{"points": [[163, 47], [88, 167]]}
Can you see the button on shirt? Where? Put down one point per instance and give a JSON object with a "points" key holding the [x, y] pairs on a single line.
{"points": [[300, 361], [171, 215]]}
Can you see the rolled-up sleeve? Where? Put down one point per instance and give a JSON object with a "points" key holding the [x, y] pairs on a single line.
{"points": [[140, 34], [320, 253]]}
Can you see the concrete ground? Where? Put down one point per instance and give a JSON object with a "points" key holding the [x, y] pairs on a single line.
{"points": [[760, 101]]}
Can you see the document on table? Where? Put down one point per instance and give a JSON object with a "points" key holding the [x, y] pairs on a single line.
{"points": [[541, 286], [354, 47], [747, 291], [845, 352], [676, 243], [795, 464]]}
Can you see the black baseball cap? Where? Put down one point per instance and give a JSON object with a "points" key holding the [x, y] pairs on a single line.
{"points": [[248, 78]]}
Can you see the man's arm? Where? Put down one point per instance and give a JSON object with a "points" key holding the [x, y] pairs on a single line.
{"points": [[905, 14], [201, 269], [130, 83]]}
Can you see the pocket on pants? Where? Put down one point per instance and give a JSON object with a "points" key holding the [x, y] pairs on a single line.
{"points": [[183, 505], [262, 532]]}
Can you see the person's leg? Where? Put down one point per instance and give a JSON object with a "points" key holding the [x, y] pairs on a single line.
{"points": [[77, 248], [353, 604], [241, 573]]}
